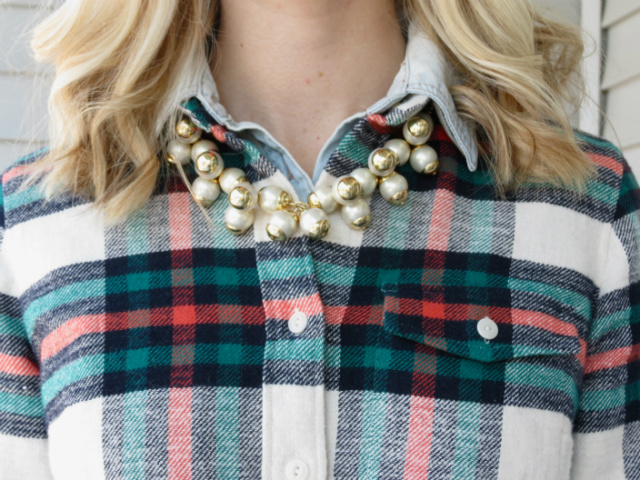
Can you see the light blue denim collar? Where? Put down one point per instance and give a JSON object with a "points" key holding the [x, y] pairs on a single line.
{"points": [[424, 75]]}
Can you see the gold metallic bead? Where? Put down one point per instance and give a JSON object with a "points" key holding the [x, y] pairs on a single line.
{"points": [[276, 233], [383, 161], [207, 163], [418, 126], [349, 189], [284, 201], [313, 200], [399, 198], [361, 223], [319, 230], [296, 209], [170, 158], [241, 198], [186, 128], [418, 129]]}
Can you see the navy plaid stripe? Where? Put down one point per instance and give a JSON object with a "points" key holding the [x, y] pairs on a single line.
{"points": [[175, 331]]}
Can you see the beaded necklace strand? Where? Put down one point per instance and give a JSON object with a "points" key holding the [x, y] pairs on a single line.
{"points": [[348, 192]]}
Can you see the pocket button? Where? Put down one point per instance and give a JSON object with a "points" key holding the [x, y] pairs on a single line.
{"points": [[487, 328]]}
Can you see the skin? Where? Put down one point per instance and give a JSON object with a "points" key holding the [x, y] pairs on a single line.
{"points": [[300, 67]]}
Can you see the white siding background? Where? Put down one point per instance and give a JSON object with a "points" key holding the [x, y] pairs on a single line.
{"points": [[621, 79], [23, 84]]}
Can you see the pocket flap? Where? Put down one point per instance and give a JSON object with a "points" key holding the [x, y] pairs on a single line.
{"points": [[446, 318]]}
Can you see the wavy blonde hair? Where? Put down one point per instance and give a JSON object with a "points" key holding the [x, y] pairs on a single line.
{"points": [[120, 64]]}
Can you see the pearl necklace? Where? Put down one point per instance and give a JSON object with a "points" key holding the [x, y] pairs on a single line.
{"points": [[347, 192]]}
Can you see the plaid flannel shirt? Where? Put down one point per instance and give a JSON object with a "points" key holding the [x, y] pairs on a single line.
{"points": [[158, 349]]}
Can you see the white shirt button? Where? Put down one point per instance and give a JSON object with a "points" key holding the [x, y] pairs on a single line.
{"points": [[487, 328], [298, 322], [297, 470]]}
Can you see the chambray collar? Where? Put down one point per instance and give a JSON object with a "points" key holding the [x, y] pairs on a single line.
{"points": [[424, 75]]}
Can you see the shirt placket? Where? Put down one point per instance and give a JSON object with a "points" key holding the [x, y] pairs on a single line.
{"points": [[293, 422], [294, 427], [293, 371], [294, 390]]}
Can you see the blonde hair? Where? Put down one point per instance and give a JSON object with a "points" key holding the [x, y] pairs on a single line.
{"points": [[519, 69], [120, 64]]}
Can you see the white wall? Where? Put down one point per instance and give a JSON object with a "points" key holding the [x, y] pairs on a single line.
{"points": [[621, 81], [23, 83], [566, 9]]}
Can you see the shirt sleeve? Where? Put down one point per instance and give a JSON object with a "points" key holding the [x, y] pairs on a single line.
{"points": [[23, 438], [607, 425]]}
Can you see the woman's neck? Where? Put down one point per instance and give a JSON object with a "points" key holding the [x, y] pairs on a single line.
{"points": [[300, 67]]}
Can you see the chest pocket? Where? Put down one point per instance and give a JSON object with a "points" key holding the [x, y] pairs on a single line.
{"points": [[480, 323]]}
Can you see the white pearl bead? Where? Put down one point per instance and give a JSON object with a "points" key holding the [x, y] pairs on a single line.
{"points": [[201, 147], [357, 215], [394, 189], [179, 152], [230, 178], [418, 140], [367, 179], [346, 190], [205, 191], [325, 197], [314, 223], [401, 148], [271, 198], [423, 158], [238, 221], [282, 225]]}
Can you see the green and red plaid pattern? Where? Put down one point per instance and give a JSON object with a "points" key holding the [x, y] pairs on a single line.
{"points": [[160, 349]]}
